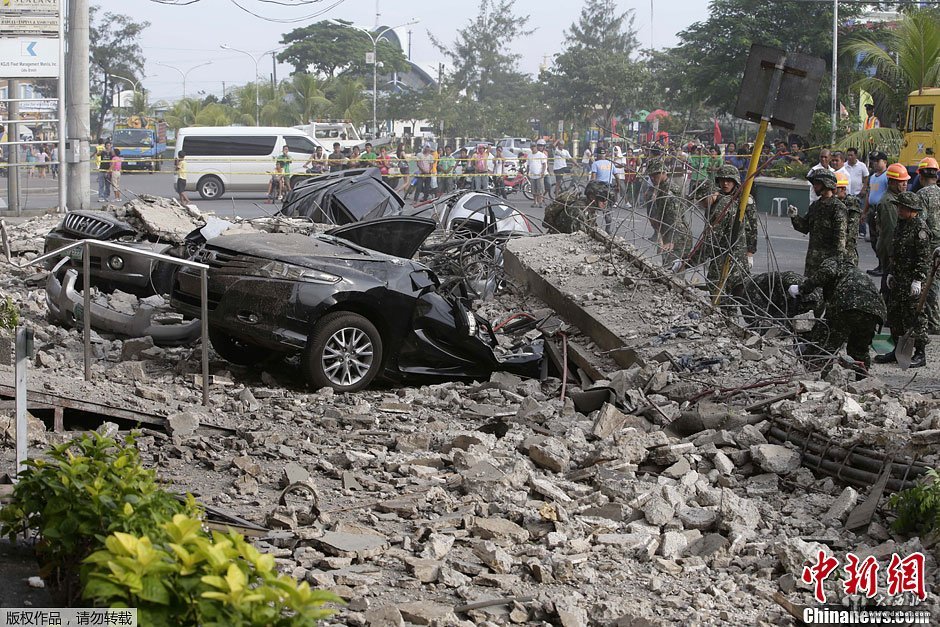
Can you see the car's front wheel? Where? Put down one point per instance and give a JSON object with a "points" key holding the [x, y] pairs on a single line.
{"points": [[210, 187], [344, 352]]}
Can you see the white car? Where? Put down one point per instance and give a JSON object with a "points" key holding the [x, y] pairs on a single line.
{"points": [[516, 145]]}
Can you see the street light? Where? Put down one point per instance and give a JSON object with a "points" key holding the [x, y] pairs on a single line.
{"points": [[256, 60], [136, 84], [183, 74], [375, 72]]}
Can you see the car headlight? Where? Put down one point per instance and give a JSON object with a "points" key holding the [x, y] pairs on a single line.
{"points": [[288, 272], [471, 323]]}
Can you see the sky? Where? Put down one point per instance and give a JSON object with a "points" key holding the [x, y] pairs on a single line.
{"points": [[186, 36]]}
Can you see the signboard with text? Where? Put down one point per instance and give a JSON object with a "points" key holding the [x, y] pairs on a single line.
{"points": [[32, 24], [32, 6], [29, 57]]}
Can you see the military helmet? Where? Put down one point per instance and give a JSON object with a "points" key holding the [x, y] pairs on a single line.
{"points": [[908, 199], [655, 167], [728, 171], [598, 190], [824, 177]]}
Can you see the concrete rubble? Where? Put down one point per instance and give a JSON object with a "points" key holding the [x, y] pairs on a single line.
{"points": [[499, 503]]}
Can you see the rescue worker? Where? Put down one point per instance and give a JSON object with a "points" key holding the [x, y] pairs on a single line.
{"points": [[825, 222], [854, 308], [569, 211], [717, 242], [853, 215], [909, 265], [667, 215], [765, 301], [886, 213], [929, 195]]}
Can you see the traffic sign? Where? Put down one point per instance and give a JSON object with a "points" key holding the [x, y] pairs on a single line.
{"points": [[29, 57], [32, 24]]}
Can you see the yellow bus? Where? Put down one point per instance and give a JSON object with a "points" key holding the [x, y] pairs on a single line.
{"points": [[922, 127]]}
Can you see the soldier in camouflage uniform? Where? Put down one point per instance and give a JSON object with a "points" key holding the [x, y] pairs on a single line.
{"points": [[886, 217], [764, 300], [930, 197], [825, 222], [668, 215], [853, 214], [717, 242], [910, 265], [854, 308], [569, 211]]}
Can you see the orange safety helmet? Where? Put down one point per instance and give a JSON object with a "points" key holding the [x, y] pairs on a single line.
{"points": [[898, 172], [842, 179], [928, 164]]}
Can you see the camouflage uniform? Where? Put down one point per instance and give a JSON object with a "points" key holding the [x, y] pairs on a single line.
{"points": [[667, 211], [826, 224], [764, 298], [930, 197], [853, 215], [909, 262], [886, 213], [854, 308], [566, 213], [718, 241]]}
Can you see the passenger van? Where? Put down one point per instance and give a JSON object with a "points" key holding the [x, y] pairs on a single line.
{"points": [[238, 158], [921, 128]]}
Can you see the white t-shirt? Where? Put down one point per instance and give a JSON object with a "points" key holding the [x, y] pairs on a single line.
{"points": [[856, 174], [561, 157], [537, 164]]}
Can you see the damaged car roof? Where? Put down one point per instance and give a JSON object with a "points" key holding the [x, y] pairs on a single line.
{"points": [[343, 197]]}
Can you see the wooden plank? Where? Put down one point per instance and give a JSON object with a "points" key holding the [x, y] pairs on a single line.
{"points": [[54, 400]]}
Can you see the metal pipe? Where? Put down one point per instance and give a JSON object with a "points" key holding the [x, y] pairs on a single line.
{"points": [[13, 157], [835, 66], [60, 108], [86, 314], [204, 312], [22, 423]]}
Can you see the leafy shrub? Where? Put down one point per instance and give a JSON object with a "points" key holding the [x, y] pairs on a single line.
{"points": [[86, 489], [9, 314], [188, 578], [918, 508]]}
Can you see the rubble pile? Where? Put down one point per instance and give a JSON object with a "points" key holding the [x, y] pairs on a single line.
{"points": [[498, 502]]}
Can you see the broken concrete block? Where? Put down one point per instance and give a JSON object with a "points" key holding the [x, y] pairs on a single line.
{"points": [[437, 546], [550, 454], [356, 545], [571, 615], [294, 473], [248, 400], [385, 616], [498, 529], [722, 463], [843, 504], [609, 421], [452, 578], [134, 346], [775, 458], [247, 464], [657, 511], [679, 469], [425, 570], [496, 558], [427, 613], [413, 442], [697, 518], [673, 545], [182, 424]]}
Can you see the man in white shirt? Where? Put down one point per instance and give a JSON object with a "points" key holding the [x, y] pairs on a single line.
{"points": [[857, 171], [537, 164], [824, 156], [560, 166]]}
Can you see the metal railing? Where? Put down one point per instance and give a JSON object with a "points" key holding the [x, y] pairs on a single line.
{"points": [[87, 245]]}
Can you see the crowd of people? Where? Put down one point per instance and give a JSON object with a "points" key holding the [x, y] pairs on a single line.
{"points": [[108, 164]]}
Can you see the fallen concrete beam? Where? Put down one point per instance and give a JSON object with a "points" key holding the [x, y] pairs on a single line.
{"points": [[46, 399]]}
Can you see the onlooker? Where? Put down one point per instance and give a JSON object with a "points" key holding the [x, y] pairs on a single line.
{"points": [[537, 167], [797, 155], [733, 158], [403, 170], [337, 159], [824, 157], [482, 162], [354, 161], [620, 172], [699, 162], [857, 171], [104, 172], [276, 184], [587, 158], [180, 167], [425, 160], [285, 160], [871, 121], [445, 171], [499, 172], [368, 157], [116, 166], [462, 167], [316, 164], [560, 165], [55, 161], [838, 161], [877, 186], [384, 163]]}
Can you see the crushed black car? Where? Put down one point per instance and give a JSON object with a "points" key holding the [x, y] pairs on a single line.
{"points": [[343, 197], [351, 302]]}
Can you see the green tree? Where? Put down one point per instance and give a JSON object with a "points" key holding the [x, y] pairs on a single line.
{"points": [[594, 78], [114, 49], [348, 100], [331, 49], [905, 59]]}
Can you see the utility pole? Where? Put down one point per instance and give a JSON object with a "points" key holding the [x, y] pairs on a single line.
{"points": [[13, 150], [77, 107], [835, 67], [273, 72]]}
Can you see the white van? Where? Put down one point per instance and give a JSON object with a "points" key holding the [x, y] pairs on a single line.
{"points": [[238, 158]]}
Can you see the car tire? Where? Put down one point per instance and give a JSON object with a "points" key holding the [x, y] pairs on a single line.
{"points": [[234, 350], [162, 276], [344, 352], [210, 187]]}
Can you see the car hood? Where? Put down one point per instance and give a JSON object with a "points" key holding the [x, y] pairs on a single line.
{"points": [[398, 236]]}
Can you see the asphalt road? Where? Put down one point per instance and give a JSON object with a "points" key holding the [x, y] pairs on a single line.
{"points": [[779, 247]]}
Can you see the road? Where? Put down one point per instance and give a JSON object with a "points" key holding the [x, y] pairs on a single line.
{"points": [[780, 246]]}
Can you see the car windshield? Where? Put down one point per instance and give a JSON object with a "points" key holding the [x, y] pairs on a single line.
{"points": [[131, 137]]}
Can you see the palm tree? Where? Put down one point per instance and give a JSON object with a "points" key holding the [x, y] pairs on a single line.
{"points": [[906, 59], [348, 100], [183, 113], [307, 97]]}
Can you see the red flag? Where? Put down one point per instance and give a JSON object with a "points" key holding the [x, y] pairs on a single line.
{"points": [[716, 134]]}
